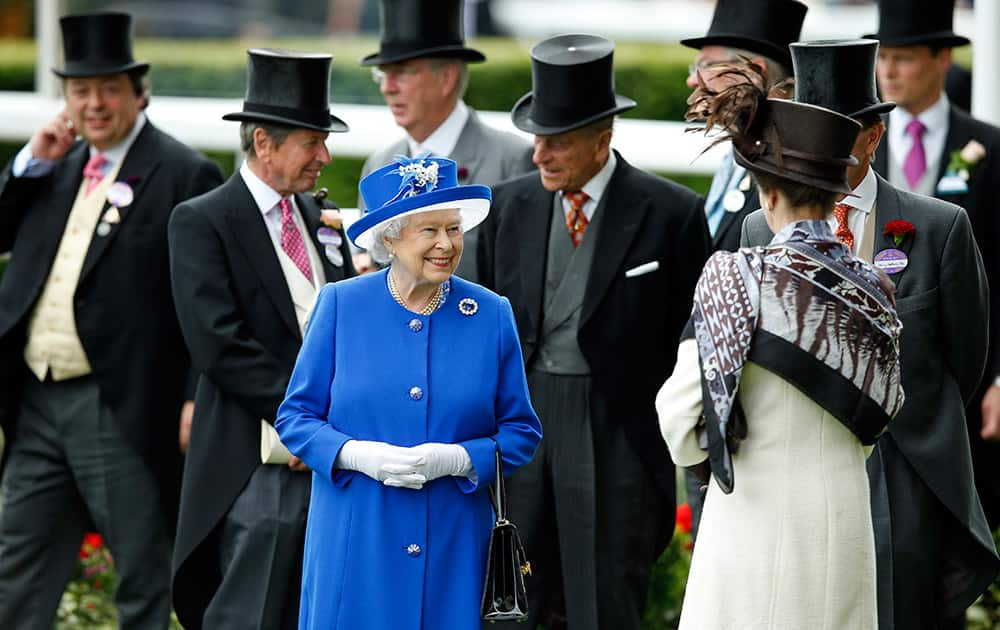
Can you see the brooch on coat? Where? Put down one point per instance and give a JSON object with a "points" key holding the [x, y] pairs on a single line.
{"points": [[468, 306]]}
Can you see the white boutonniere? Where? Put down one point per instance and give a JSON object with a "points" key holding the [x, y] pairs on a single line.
{"points": [[961, 163]]}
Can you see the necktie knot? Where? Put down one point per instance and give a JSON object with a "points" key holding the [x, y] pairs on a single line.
{"points": [[286, 209], [843, 233], [916, 128], [576, 219], [94, 170]]}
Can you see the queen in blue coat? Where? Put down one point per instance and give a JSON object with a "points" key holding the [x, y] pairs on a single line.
{"points": [[407, 382]]}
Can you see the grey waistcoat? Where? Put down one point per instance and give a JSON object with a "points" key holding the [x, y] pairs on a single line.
{"points": [[566, 274]]}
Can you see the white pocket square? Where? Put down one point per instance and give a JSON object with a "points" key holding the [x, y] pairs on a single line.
{"points": [[642, 269]]}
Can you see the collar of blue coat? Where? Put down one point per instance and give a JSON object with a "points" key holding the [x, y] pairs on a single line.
{"points": [[412, 185]]}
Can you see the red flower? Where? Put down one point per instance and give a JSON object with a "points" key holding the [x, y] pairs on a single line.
{"points": [[91, 542], [898, 230], [463, 172], [684, 518]]}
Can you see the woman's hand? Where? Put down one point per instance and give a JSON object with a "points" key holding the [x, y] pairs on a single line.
{"points": [[382, 462], [442, 460]]}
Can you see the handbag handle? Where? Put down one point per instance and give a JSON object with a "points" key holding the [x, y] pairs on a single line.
{"points": [[498, 494]]}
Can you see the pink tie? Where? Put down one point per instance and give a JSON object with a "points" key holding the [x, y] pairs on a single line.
{"points": [[916, 161], [93, 171], [291, 240]]}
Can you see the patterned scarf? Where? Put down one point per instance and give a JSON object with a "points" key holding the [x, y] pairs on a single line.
{"points": [[806, 309]]}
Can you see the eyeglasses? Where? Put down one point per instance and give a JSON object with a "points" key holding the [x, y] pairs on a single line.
{"points": [[399, 73], [707, 65]]}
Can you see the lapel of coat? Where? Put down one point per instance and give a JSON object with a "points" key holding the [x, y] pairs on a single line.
{"points": [[888, 208], [532, 217], [311, 218], [251, 233], [465, 153], [140, 163], [734, 220], [959, 135], [626, 211]]}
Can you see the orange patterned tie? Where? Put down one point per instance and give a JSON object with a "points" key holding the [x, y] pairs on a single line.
{"points": [[843, 233], [576, 220]]}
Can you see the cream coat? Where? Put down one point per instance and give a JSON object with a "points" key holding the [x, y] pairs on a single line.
{"points": [[792, 547]]}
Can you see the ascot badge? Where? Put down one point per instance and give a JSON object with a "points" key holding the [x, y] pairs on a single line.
{"points": [[119, 195]]}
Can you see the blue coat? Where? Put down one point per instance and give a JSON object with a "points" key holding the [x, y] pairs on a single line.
{"points": [[394, 558]]}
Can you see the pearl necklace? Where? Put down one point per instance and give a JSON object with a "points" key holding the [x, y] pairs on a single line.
{"points": [[427, 310]]}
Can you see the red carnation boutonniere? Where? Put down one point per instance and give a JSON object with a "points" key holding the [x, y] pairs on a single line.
{"points": [[898, 230], [463, 172]]}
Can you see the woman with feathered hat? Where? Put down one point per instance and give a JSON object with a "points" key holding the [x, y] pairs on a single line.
{"points": [[787, 373], [407, 383]]}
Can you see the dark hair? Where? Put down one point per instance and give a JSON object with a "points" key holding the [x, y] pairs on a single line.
{"points": [[936, 49], [868, 121], [798, 194], [277, 133], [140, 85]]}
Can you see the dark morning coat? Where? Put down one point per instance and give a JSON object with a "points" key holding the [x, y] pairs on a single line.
{"points": [[239, 321], [123, 305], [982, 202], [629, 327], [941, 297]]}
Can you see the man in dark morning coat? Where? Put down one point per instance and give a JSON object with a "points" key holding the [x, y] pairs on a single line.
{"points": [[934, 554], [599, 261], [916, 51], [92, 363], [758, 30], [247, 261], [421, 70]]}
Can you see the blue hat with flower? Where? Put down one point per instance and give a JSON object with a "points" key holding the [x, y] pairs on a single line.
{"points": [[412, 185]]}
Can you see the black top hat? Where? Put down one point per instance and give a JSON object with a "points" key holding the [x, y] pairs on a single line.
{"points": [[818, 158], [289, 88], [421, 28], [838, 75], [917, 23], [765, 27], [572, 85], [98, 44]]}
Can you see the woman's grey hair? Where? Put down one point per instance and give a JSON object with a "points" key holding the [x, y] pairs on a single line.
{"points": [[389, 230]]}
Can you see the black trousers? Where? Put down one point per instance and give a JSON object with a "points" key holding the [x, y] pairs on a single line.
{"points": [[69, 466], [588, 514], [261, 541]]}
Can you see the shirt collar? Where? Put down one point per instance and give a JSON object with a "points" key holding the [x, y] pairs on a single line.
{"points": [[116, 154], [934, 117], [599, 183], [443, 140], [265, 196], [865, 192]]}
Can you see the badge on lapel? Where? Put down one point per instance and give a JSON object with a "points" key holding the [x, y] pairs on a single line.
{"points": [[960, 166], [330, 238], [894, 260], [120, 195]]}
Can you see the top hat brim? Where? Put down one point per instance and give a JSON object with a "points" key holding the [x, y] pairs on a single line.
{"points": [[336, 125], [521, 116], [839, 185], [877, 108], [945, 39], [736, 40], [472, 202], [74, 70], [469, 55]]}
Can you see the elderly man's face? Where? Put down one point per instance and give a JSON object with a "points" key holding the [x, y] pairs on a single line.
{"points": [[103, 109], [295, 165], [569, 160], [418, 95], [708, 63], [912, 76], [429, 246]]}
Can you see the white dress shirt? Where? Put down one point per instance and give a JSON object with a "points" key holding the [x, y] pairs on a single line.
{"points": [[594, 188], [443, 140], [861, 207], [935, 119], [27, 165]]}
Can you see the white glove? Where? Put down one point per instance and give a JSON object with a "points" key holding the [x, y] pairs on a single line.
{"points": [[443, 460], [382, 461]]}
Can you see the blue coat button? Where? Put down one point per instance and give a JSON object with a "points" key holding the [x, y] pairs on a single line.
{"points": [[416, 325], [413, 550], [416, 393]]}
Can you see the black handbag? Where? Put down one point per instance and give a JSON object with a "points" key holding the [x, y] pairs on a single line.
{"points": [[504, 595]]}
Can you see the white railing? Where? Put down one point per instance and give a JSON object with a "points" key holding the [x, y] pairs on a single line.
{"points": [[647, 144]]}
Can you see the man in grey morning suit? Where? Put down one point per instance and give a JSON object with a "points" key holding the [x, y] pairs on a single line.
{"points": [[421, 71], [934, 550]]}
